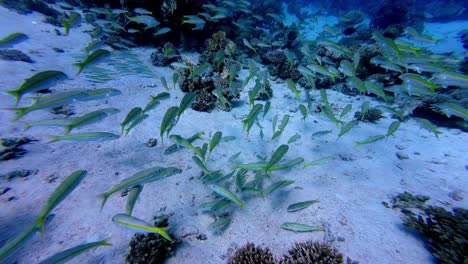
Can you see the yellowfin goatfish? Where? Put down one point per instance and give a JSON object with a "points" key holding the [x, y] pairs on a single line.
{"points": [[140, 225], [139, 179]]}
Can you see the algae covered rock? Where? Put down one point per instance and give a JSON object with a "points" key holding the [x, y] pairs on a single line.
{"points": [[315, 253], [164, 56], [251, 254], [445, 232], [372, 115]]}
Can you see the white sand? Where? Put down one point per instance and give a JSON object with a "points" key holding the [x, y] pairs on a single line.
{"points": [[350, 192]]}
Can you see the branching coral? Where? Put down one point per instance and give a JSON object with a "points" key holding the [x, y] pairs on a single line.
{"points": [[251, 254], [314, 253]]}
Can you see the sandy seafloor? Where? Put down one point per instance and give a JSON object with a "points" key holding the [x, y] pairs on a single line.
{"points": [[350, 189]]}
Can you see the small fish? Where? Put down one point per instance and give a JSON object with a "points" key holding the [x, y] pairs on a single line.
{"points": [[140, 225], [301, 205], [357, 83], [321, 133], [92, 45], [277, 155], [304, 112], [234, 156], [36, 82], [334, 47], [451, 79], [455, 109], [319, 69], [418, 80], [74, 251], [162, 31], [59, 194], [95, 55], [346, 110], [142, 11], [89, 95], [293, 87], [194, 20], [330, 30], [318, 162], [392, 128], [248, 45], [225, 193], [215, 140], [429, 126], [139, 179], [328, 112], [155, 100], [148, 21], [220, 224], [184, 104], [132, 115], [364, 109], [296, 227], [132, 198], [346, 68], [74, 18], [392, 110], [323, 94], [372, 87], [61, 122], [294, 138], [135, 122], [370, 140], [347, 127], [14, 242], [93, 136], [276, 185], [90, 118], [168, 121], [13, 38], [387, 44]]}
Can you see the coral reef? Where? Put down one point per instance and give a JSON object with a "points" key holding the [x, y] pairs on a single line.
{"points": [[151, 248], [251, 254], [280, 65], [316, 253], [372, 115]]}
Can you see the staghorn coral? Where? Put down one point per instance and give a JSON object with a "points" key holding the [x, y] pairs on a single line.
{"points": [[314, 253], [251, 254]]}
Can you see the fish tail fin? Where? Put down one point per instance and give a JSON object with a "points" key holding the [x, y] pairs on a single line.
{"points": [[27, 126], [357, 144], [104, 197], [20, 112], [53, 139], [16, 94], [68, 129], [67, 28], [162, 232], [80, 67], [105, 242]]}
